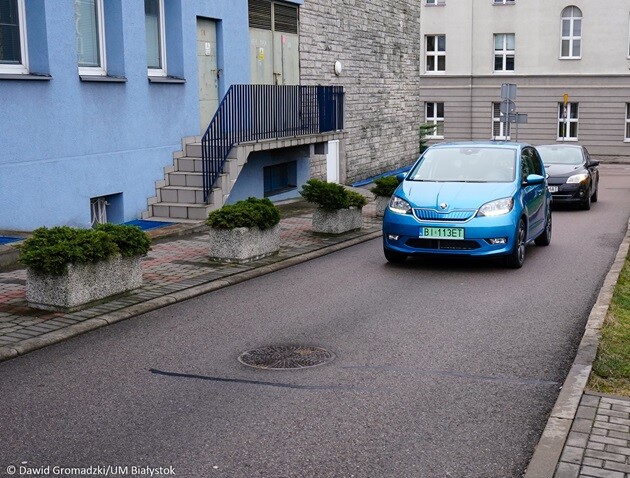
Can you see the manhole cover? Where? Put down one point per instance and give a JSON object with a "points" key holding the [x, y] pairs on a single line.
{"points": [[286, 357]]}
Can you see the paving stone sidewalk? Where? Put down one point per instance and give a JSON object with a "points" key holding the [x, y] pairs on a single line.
{"points": [[176, 268]]}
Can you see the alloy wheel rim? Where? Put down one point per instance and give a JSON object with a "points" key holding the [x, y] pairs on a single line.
{"points": [[521, 244]]}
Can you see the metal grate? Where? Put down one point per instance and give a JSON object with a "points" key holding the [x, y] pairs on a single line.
{"points": [[285, 357], [260, 14], [433, 215], [285, 19]]}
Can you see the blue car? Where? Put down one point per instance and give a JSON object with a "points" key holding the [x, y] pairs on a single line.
{"points": [[473, 198]]}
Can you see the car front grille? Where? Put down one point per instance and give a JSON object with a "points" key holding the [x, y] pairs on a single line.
{"points": [[460, 215], [443, 244]]}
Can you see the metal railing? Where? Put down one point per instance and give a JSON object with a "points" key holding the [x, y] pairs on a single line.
{"points": [[262, 112]]}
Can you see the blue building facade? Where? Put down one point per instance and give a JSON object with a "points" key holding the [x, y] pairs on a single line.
{"points": [[96, 96]]}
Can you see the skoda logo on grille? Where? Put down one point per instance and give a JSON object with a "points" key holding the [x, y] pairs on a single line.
{"points": [[443, 206]]}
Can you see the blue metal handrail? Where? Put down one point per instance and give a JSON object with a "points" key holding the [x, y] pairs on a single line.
{"points": [[261, 112]]}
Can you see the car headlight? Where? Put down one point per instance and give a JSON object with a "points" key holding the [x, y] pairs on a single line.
{"points": [[496, 208], [577, 178], [399, 206]]}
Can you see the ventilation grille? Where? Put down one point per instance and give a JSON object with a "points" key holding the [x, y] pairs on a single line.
{"points": [[286, 19], [260, 14]]}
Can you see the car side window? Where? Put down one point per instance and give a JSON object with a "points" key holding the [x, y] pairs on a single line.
{"points": [[537, 163], [527, 167]]}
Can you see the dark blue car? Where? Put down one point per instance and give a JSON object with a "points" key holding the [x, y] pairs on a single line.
{"points": [[472, 198]]}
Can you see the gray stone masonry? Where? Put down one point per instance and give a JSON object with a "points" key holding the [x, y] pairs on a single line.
{"points": [[243, 244], [378, 43]]}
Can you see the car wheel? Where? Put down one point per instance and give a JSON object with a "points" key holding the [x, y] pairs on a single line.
{"points": [[394, 257], [594, 196], [516, 258], [586, 204], [544, 239]]}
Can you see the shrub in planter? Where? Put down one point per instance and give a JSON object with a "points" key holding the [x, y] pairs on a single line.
{"points": [[383, 189], [69, 267], [339, 208], [244, 231]]}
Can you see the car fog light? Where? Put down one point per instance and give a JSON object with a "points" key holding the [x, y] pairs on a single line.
{"points": [[498, 240], [392, 237]]}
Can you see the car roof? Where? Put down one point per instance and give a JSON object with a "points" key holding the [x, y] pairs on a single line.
{"points": [[477, 144], [559, 146]]}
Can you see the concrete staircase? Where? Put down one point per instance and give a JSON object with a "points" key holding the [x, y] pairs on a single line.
{"points": [[179, 197]]}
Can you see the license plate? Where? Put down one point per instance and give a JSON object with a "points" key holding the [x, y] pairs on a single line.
{"points": [[442, 232], [553, 189]]}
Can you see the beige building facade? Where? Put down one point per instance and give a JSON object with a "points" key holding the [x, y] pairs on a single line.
{"points": [[569, 60]]}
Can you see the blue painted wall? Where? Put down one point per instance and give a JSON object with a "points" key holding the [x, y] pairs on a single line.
{"points": [[64, 141], [249, 180]]}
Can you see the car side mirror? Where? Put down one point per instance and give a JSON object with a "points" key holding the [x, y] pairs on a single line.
{"points": [[533, 179], [592, 163], [401, 177]]}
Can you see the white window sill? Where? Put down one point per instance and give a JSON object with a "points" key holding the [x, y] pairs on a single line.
{"points": [[25, 76], [566, 140], [103, 78], [166, 79]]}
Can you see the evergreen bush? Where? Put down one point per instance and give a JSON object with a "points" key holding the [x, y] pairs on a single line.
{"points": [[50, 250], [385, 186], [252, 212], [331, 196]]}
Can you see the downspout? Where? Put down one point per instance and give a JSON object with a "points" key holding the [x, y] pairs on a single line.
{"points": [[472, 64]]}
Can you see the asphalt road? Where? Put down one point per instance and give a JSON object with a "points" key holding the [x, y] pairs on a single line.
{"points": [[441, 368]]}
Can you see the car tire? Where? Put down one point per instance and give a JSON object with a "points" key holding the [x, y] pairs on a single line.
{"points": [[586, 204], [516, 258], [594, 196], [394, 257], [544, 239]]}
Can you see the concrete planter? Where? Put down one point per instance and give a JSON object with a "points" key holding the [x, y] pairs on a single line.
{"points": [[83, 283], [337, 222], [381, 204], [243, 244]]}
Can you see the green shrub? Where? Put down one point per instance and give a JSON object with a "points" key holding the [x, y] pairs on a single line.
{"points": [[252, 212], [131, 240], [385, 186], [331, 196]]}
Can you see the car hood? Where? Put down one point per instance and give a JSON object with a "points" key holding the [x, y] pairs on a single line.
{"points": [[457, 195], [563, 170]]}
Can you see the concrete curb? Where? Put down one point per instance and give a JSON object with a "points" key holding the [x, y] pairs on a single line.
{"points": [[28, 345], [549, 448]]}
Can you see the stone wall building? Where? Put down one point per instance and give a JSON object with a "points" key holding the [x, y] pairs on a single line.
{"points": [[377, 45]]}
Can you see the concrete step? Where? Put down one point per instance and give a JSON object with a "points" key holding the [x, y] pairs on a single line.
{"points": [[185, 178], [189, 164], [181, 195], [193, 150], [197, 212]]}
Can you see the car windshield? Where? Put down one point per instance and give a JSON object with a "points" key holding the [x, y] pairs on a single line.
{"points": [[466, 164], [560, 155]]}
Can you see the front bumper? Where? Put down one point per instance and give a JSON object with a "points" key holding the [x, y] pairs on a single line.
{"points": [[401, 233], [569, 193]]}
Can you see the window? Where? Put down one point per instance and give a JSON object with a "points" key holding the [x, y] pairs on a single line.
{"points": [[13, 51], [571, 33], [500, 129], [435, 116], [436, 53], [627, 138], [154, 25], [568, 122], [436, 2], [280, 178], [90, 36], [504, 52]]}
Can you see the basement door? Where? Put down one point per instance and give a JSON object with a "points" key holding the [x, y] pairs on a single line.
{"points": [[208, 73]]}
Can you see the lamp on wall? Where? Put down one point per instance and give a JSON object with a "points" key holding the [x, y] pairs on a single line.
{"points": [[338, 68]]}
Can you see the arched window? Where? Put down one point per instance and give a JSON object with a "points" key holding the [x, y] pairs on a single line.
{"points": [[571, 33]]}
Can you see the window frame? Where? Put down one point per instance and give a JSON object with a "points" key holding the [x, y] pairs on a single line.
{"points": [[504, 53], [21, 68], [504, 127], [568, 121], [435, 3], [162, 41], [435, 54], [627, 124], [571, 38], [100, 70], [503, 2], [435, 120]]}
